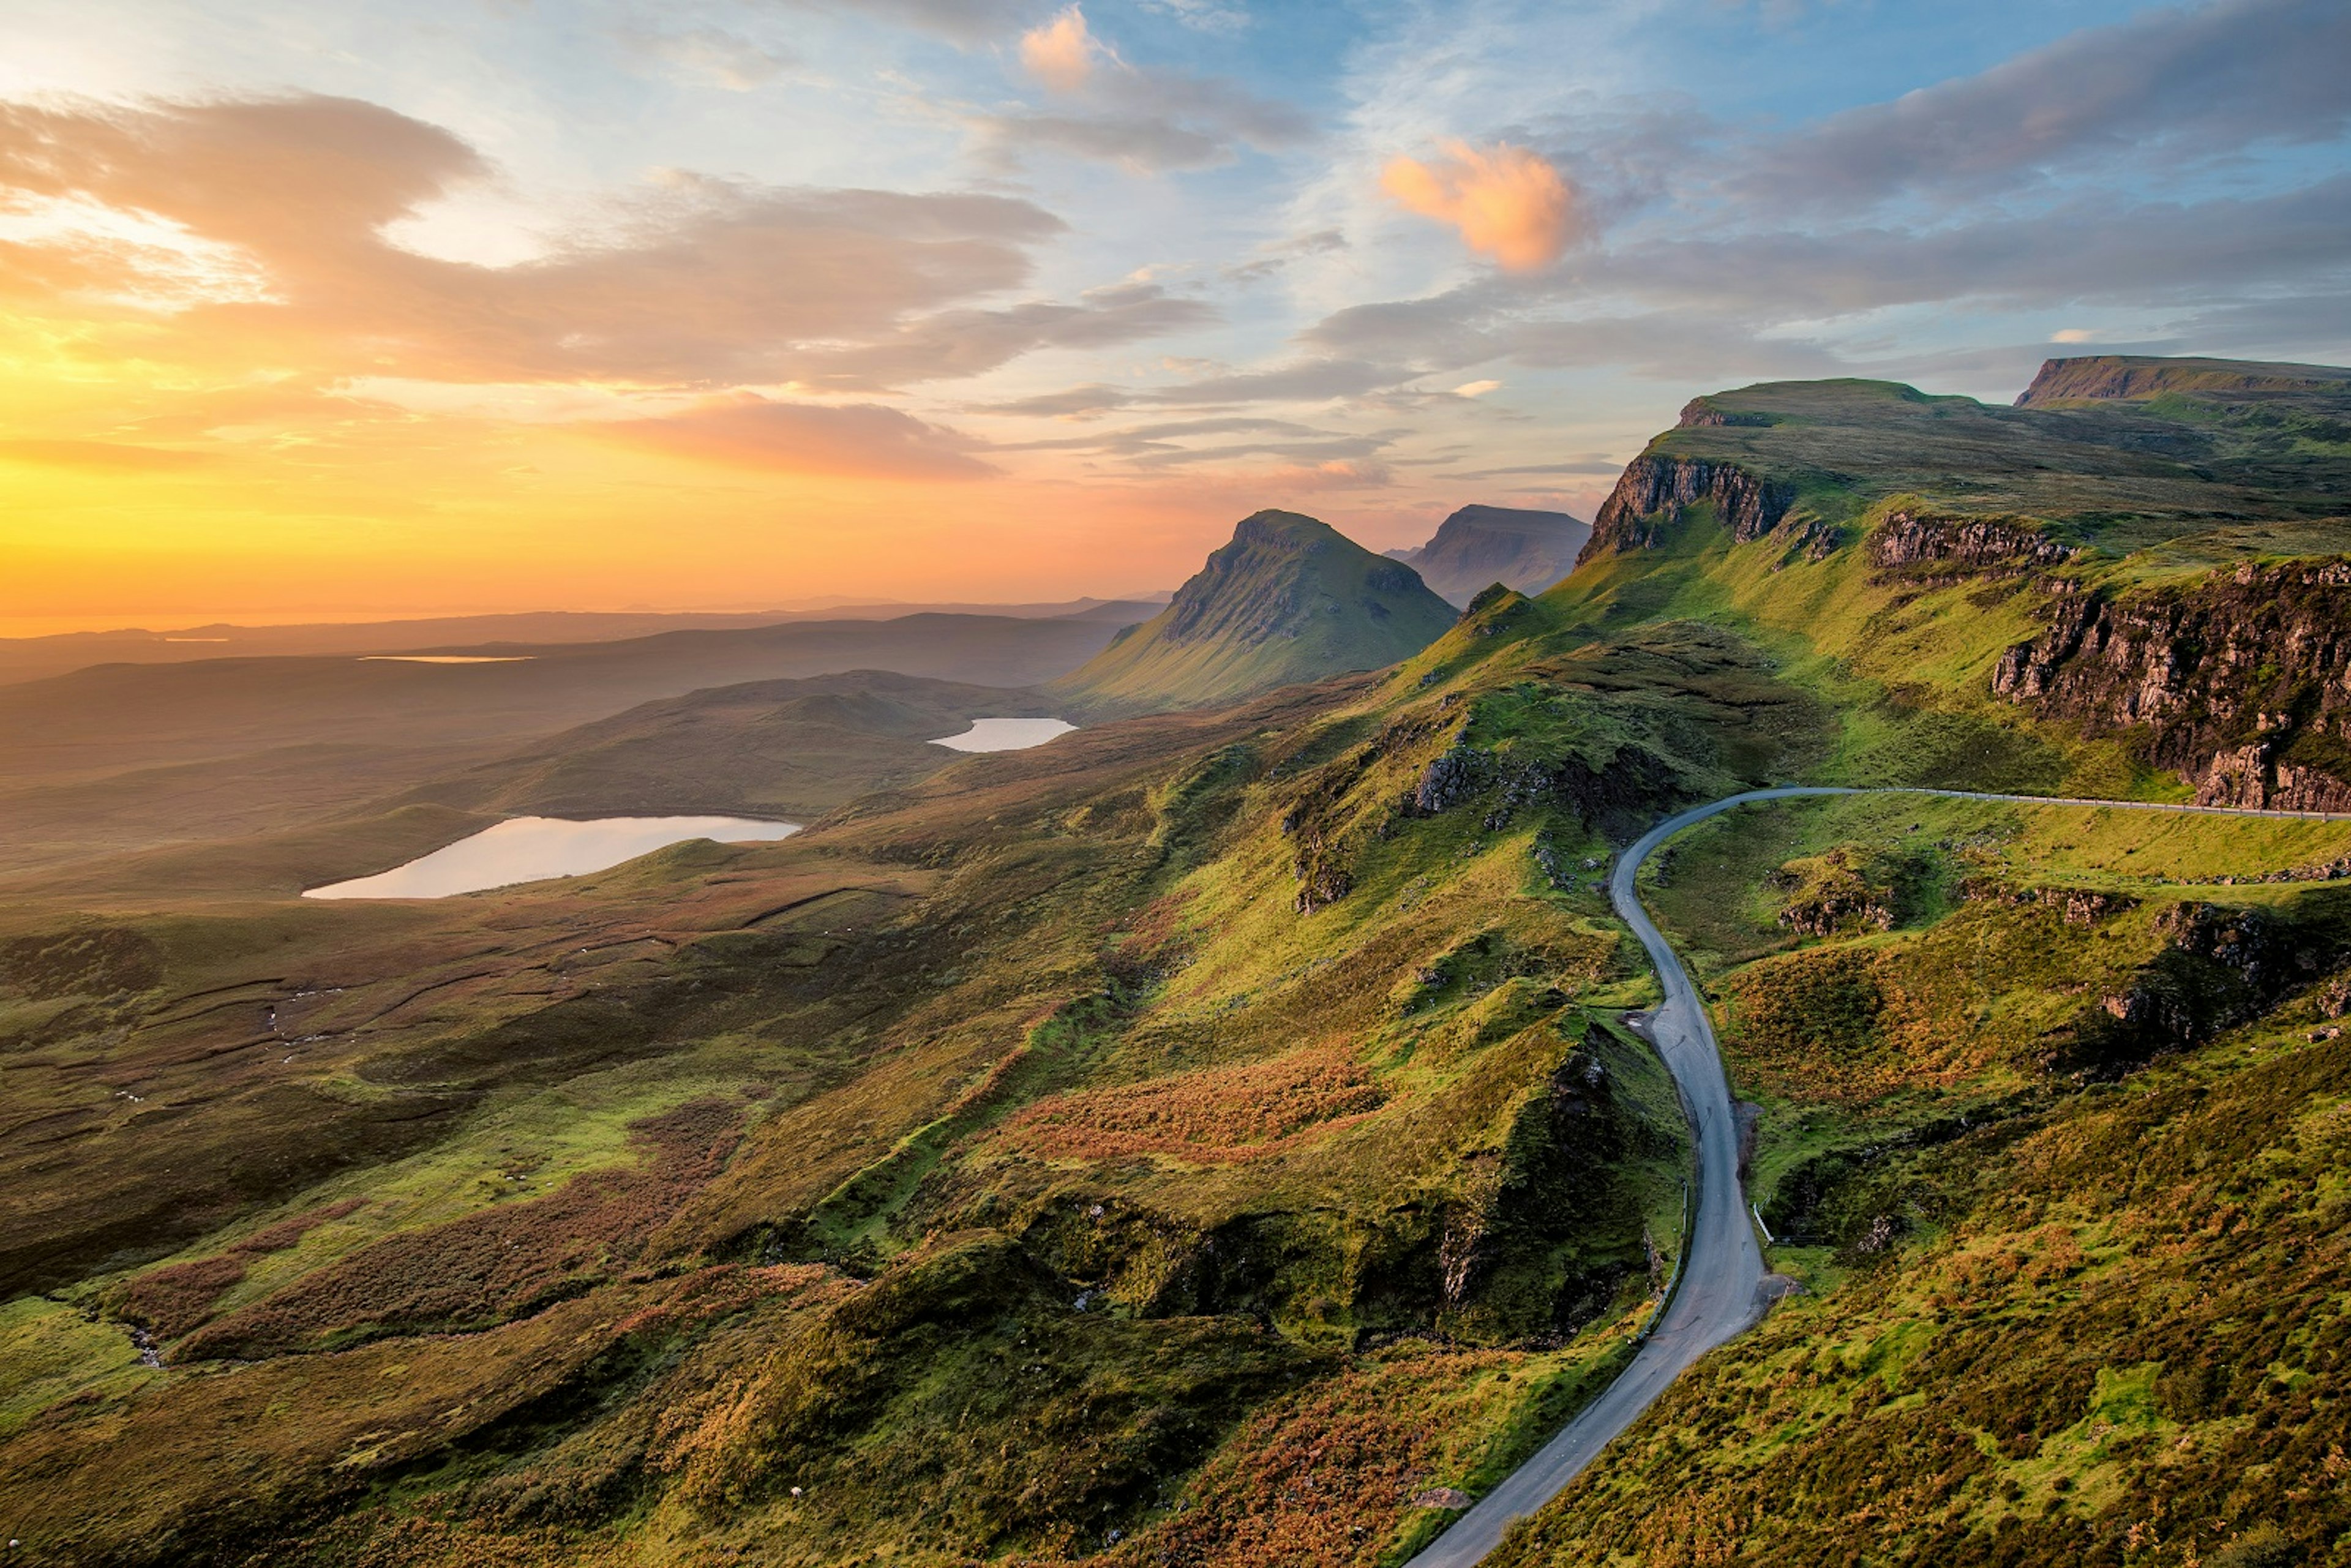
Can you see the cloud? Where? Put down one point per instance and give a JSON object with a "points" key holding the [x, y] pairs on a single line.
{"points": [[1711, 304], [1271, 258], [953, 343], [967, 23], [1150, 121], [1306, 380], [100, 456], [1076, 402], [1508, 202], [2096, 246], [1059, 53], [1172, 443], [862, 440], [1598, 464], [1477, 389], [718, 57], [2188, 82], [1203, 15], [692, 281]]}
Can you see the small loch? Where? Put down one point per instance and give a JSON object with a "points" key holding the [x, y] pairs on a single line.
{"points": [[1006, 734], [533, 849]]}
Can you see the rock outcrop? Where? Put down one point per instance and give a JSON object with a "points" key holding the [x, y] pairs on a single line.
{"points": [[2242, 682], [1704, 412], [1656, 489], [1914, 543], [2220, 966]]}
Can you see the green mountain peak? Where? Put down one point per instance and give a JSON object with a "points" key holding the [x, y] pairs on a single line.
{"points": [[1288, 599]]}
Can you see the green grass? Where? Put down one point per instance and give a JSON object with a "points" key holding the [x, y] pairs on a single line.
{"points": [[955, 1285], [2089, 1322], [1289, 599]]}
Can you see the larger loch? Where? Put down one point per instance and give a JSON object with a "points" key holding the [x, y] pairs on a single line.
{"points": [[534, 848]]}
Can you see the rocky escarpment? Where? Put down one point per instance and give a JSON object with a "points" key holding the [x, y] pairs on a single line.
{"points": [[1704, 412], [1656, 491], [2240, 682], [2220, 967], [1922, 545]]}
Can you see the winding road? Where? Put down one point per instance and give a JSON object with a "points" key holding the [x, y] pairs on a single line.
{"points": [[1721, 1287]]}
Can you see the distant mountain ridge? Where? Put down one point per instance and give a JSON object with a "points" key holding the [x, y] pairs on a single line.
{"points": [[2133, 377], [1289, 599], [36, 658], [1479, 545]]}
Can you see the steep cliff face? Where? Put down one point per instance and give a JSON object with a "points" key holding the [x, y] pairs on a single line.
{"points": [[1655, 490], [1915, 543], [2240, 682]]}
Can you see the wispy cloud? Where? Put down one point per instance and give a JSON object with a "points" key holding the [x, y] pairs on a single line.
{"points": [[719, 57], [693, 281], [2180, 83], [862, 440], [1148, 121]]}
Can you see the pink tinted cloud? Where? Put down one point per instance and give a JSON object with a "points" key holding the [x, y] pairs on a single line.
{"points": [[1506, 202]]}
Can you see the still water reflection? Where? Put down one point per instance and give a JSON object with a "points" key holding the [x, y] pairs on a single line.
{"points": [[1006, 734], [530, 848]]}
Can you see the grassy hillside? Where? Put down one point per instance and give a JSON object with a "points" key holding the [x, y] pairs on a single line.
{"points": [[2110, 597], [1212, 1139], [1289, 599], [793, 749], [1007, 1164], [2052, 1128], [140, 757]]}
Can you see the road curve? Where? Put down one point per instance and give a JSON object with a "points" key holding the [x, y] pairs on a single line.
{"points": [[1720, 1290]]}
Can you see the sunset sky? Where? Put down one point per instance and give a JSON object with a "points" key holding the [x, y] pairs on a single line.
{"points": [[311, 309]]}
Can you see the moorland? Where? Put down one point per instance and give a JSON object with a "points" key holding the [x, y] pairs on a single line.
{"points": [[1216, 1136]]}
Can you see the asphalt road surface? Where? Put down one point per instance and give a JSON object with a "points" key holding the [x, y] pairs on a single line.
{"points": [[1721, 1288]]}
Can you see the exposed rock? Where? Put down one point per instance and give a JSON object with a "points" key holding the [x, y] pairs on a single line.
{"points": [[2334, 999], [2222, 966], [1702, 412], [1916, 543], [1456, 775], [2242, 682], [1814, 539], [2081, 906], [1830, 895], [1655, 490]]}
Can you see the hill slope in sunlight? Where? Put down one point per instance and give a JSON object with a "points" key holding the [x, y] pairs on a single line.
{"points": [[1289, 599], [1214, 1138]]}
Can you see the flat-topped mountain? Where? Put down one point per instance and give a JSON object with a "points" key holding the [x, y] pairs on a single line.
{"points": [[2152, 549], [2132, 377], [1289, 599], [1479, 545], [2170, 450]]}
